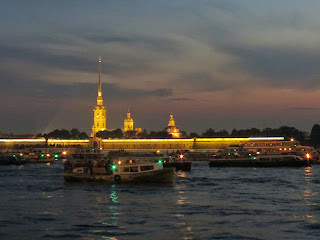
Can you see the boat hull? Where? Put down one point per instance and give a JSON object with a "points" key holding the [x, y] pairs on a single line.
{"points": [[165, 175]]}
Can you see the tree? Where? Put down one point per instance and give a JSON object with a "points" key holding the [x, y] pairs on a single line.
{"points": [[74, 132], [209, 133], [110, 134], [315, 135], [130, 134], [193, 135], [143, 134], [83, 135], [222, 133]]}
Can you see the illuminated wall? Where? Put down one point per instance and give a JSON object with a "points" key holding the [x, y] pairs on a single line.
{"points": [[196, 144]]}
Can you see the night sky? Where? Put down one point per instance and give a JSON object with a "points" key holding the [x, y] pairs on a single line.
{"points": [[220, 64]]}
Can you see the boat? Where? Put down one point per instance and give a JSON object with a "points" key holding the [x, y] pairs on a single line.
{"points": [[272, 160], [92, 167], [178, 161], [40, 158], [11, 159]]}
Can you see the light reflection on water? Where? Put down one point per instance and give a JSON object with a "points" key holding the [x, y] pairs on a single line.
{"points": [[309, 195], [207, 203]]}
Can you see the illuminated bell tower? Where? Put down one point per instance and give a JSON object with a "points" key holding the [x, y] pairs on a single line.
{"points": [[99, 112], [171, 121], [128, 123], [172, 129]]}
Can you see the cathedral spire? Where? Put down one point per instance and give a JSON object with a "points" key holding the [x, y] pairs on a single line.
{"points": [[99, 91], [99, 99], [99, 112]]}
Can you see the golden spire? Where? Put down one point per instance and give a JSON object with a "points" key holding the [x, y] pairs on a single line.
{"points": [[99, 99], [171, 121], [128, 113]]}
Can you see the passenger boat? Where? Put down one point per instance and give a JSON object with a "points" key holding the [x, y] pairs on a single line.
{"points": [[98, 167], [260, 161], [39, 158]]}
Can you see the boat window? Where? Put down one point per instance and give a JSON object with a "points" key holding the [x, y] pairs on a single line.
{"points": [[146, 168], [126, 169], [134, 169]]}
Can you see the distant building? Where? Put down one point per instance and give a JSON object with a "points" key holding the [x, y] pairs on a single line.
{"points": [[99, 113], [172, 129], [128, 123]]}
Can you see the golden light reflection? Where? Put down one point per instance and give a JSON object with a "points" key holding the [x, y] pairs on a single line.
{"points": [[181, 174], [308, 193], [182, 224]]}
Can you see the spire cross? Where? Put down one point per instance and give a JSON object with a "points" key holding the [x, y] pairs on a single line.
{"points": [[99, 90]]}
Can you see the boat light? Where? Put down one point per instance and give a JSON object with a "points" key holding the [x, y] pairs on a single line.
{"points": [[308, 156], [119, 162], [114, 167], [160, 161], [181, 156], [48, 155], [14, 155], [258, 152], [21, 154], [42, 155], [56, 155], [64, 153]]}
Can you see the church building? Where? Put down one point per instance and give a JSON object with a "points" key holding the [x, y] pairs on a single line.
{"points": [[128, 123], [99, 112], [172, 129]]}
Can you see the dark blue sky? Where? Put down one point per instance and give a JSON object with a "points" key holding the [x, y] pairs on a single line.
{"points": [[221, 64]]}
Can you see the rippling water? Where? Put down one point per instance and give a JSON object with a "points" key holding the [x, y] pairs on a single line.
{"points": [[207, 203]]}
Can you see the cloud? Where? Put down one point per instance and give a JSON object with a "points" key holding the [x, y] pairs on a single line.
{"points": [[279, 67], [48, 90], [304, 108], [179, 99]]}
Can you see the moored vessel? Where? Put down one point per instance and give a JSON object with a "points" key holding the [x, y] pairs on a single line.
{"points": [[271, 160], [96, 166]]}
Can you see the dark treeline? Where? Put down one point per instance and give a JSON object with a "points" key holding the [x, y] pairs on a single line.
{"points": [[74, 133]]}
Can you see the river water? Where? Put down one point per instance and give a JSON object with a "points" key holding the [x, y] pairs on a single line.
{"points": [[207, 203]]}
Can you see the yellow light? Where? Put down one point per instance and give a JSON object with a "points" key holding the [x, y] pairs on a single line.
{"points": [[308, 156], [101, 148], [181, 156], [119, 162], [64, 153], [291, 139], [285, 149], [48, 155], [258, 152], [21, 154]]}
